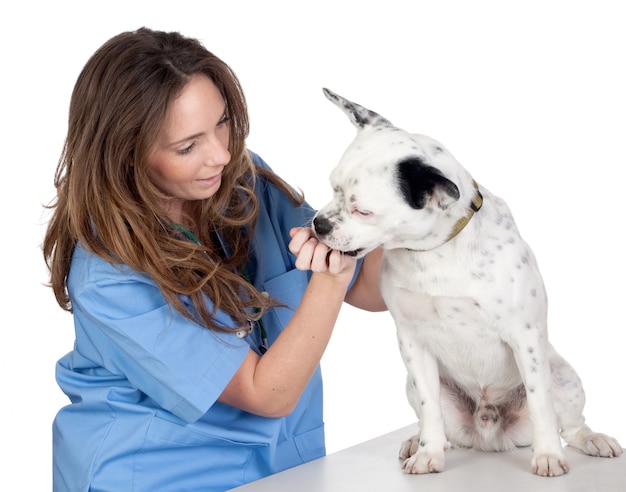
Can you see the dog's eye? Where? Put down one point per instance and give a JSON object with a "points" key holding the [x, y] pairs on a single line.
{"points": [[361, 213]]}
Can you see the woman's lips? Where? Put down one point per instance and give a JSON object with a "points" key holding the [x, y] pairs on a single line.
{"points": [[213, 180]]}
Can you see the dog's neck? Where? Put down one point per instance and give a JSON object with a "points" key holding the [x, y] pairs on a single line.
{"points": [[475, 206]]}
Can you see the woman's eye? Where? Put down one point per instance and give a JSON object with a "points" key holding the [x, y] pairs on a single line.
{"points": [[223, 120], [187, 149], [361, 213]]}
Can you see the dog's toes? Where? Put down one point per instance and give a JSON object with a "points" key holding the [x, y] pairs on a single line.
{"points": [[597, 444], [409, 447], [594, 443], [421, 463], [549, 465], [424, 459]]}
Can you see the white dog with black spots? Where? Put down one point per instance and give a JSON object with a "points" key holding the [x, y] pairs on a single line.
{"points": [[466, 296]]}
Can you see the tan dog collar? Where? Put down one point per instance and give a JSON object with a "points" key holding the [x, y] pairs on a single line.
{"points": [[477, 203]]}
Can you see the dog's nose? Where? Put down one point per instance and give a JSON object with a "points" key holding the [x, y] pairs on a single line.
{"points": [[322, 226]]}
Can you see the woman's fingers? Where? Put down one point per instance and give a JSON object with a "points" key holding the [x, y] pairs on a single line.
{"points": [[311, 254]]}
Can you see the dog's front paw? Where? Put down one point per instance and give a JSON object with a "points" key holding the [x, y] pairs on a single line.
{"points": [[424, 462], [549, 465], [420, 458]]}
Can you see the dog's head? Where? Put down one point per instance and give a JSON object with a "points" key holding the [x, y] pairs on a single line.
{"points": [[390, 188]]}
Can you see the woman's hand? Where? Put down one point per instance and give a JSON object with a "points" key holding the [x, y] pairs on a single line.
{"points": [[312, 254]]}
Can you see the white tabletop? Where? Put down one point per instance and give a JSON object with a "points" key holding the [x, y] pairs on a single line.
{"points": [[374, 466]]}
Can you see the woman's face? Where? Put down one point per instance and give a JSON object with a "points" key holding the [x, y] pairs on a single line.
{"points": [[191, 151]]}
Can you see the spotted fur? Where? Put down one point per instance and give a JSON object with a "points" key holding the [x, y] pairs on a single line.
{"points": [[470, 311]]}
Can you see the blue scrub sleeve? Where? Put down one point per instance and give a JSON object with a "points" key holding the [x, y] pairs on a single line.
{"points": [[136, 335]]}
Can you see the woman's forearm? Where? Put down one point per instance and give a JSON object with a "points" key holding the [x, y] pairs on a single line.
{"points": [[271, 385]]}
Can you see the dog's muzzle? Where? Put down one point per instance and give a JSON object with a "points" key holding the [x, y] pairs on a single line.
{"points": [[323, 227]]}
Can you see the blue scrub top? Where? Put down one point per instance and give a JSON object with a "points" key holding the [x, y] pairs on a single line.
{"points": [[144, 381]]}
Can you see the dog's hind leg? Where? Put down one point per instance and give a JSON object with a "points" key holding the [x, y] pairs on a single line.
{"points": [[569, 401]]}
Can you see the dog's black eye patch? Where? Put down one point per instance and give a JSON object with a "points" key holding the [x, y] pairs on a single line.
{"points": [[418, 181]]}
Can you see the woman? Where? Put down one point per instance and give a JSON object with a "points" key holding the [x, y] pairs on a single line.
{"points": [[201, 304]]}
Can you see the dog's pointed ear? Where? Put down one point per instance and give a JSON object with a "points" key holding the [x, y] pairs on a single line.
{"points": [[359, 116], [421, 183]]}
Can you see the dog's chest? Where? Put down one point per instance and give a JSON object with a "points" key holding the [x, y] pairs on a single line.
{"points": [[459, 333], [465, 302]]}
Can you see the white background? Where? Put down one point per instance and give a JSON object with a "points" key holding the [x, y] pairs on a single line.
{"points": [[529, 96]]}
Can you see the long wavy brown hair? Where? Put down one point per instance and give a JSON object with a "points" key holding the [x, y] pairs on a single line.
{"points": [[106, 201]]}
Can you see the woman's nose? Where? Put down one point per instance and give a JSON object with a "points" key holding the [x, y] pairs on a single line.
{"points": [[218, 153]]}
